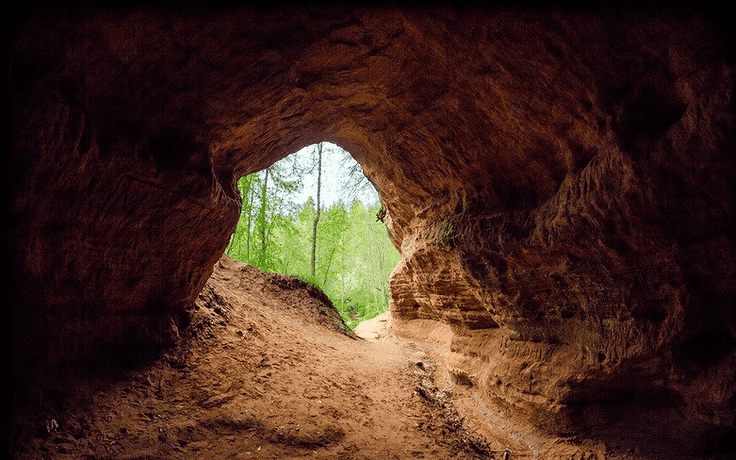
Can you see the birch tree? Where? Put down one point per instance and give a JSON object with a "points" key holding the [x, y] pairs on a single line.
{"points": [[318, 207]]}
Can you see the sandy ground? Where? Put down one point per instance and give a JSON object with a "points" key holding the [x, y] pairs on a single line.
{"points": [[264, 371], [267, 370]]}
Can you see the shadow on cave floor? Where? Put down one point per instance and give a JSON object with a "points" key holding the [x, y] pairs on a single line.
{"points": [[266, 370]]}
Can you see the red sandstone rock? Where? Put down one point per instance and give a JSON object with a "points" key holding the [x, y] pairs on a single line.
{"points": [[559, 184]]}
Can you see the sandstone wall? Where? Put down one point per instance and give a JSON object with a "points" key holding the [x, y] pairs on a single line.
{"points": [[560, 185]]}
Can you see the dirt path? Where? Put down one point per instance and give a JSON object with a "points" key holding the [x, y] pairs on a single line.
{"points": [[266, 370], [263, 372]]}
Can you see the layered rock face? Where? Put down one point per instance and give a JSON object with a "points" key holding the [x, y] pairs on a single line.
{"points": [[560, 186]]}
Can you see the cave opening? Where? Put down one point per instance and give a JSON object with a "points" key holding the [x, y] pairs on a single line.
{"points": [[584, 158], [315, 216]]}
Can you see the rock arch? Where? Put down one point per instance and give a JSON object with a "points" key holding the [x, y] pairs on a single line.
{"points": [[559, 183]]}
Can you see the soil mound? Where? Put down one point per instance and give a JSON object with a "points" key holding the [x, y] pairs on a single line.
{"points": [[266, 369]]}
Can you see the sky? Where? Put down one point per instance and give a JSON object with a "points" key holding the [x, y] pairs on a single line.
{"points": [[332, 176]]}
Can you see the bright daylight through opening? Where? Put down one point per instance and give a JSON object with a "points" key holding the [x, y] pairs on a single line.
{"points": [[340, 245]]}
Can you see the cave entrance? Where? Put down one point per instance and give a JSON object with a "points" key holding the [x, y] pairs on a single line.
{"points": [[313, 216]]}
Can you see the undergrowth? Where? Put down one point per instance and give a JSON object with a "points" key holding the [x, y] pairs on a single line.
{"points": [[354, 308]]}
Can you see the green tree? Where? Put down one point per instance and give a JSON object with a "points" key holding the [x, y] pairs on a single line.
{"points": [[339, 246], [333, 231], [239, 247], [266, 200], [318, 207]]}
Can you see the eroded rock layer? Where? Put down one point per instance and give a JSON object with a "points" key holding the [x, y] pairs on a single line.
{"points": [[559, 183]]}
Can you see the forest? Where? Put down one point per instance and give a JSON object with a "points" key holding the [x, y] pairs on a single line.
{"points": [[315, 216]]}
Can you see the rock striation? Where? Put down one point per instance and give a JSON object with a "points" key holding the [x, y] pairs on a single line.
{"points": [[559, 183]]}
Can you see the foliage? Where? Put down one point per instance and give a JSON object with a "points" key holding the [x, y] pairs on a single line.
{"points": [[353, 256], [381, 213], [444, 233]]}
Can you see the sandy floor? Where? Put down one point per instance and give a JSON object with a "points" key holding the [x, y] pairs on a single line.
{"points": [[263, 372], [267, 371]]}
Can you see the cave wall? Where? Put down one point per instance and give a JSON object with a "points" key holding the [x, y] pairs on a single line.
{"points": [[559, 184]]}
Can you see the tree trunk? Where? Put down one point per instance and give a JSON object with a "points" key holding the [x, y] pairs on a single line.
{"points": [[316, 215], [248, 229], [262, 221]]}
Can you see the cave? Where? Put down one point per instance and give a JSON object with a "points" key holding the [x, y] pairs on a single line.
{"points": [[558, 182]]}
